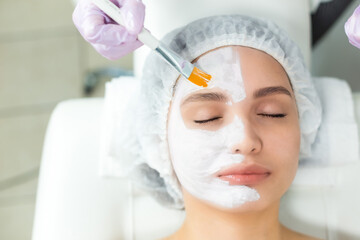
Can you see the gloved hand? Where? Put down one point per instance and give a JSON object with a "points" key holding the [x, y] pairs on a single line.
{"points": [[111, 40], [352, 28]]}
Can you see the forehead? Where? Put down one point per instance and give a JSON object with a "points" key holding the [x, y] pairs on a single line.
{"points": [[238, 71], [254, 64], [259, 69]]}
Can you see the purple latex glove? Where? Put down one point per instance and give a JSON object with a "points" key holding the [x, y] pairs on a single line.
{"points": [[352, 28], [111, 40]]}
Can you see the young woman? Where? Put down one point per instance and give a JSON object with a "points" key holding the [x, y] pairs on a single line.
{"points": [[235, 146], [226, 153]]}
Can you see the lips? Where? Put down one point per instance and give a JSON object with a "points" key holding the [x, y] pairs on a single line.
{"points": [[241, 174]]}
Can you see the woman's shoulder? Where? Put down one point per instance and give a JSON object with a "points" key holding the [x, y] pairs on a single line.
{"points": [[293, 235], [305, 237]]}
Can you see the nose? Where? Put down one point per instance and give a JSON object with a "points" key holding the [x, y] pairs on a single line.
{"points": [[250, 144]]}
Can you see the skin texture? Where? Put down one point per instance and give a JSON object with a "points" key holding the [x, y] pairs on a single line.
{"points": [[272, 142]]}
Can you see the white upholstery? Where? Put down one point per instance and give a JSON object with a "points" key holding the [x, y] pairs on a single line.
{"points": [[74, 203]]}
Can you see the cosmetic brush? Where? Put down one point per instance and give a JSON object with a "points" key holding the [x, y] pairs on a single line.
{"points": [[184, 67]]}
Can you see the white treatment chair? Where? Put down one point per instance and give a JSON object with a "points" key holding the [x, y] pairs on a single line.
{"points": [[74, 203]]}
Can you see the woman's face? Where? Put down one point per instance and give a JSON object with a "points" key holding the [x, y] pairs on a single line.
{"points": [[235, 144]]}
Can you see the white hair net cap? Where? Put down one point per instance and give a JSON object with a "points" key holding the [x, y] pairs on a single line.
{"points": [[153, 168]]}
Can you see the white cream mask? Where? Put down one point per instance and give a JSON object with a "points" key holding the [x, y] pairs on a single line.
{"points": [[198, 154]]}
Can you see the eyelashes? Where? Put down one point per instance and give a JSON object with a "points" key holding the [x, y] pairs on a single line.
{"points": [[277, 115], [266, 115], [207, 120]]}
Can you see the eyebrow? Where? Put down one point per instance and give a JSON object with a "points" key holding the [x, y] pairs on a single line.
{"points": [[263, 92], [220, 97], [211, 96]]}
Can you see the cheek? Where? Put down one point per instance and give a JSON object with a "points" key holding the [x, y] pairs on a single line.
{"points": [[281, 151], [283, 145], [285, 138]]}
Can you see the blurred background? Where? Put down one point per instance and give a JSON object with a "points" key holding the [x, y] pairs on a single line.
{"points": [[44, 60]]}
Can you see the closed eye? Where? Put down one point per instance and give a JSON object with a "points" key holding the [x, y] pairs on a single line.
{"points": [[277, 115], [206, 120]]}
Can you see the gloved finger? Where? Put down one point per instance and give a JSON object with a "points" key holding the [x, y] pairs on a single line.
{"points": [[116, 52], [96, 27], [86, 15], [352, 28], [109, 34], [133, 12]]}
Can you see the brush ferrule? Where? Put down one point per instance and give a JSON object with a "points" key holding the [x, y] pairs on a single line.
{"points": [[182, 66]]}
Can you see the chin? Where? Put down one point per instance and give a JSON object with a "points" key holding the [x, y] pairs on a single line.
{"points": [[248, 207], [267, 200]]}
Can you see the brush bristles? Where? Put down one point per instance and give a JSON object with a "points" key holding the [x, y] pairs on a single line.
{"points": [[199, 77]]}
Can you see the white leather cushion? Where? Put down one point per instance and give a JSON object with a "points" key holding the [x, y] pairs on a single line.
{"points": [[74, 203]]}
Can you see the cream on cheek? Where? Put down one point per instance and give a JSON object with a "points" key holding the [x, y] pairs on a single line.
{"points": [[198, 154]]}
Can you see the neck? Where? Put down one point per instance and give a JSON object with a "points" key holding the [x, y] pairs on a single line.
{"points": [[206, 222]]}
